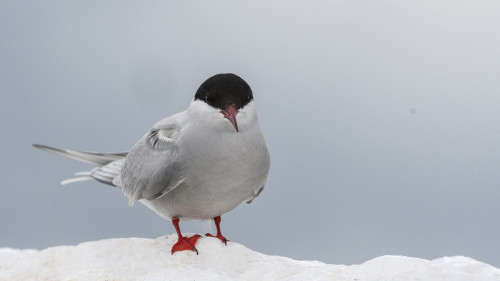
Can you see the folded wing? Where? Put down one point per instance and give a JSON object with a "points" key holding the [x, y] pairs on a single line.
{"points": [[153, 166]]}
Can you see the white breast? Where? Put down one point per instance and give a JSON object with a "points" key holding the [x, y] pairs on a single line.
{"points": [[222, 168]]}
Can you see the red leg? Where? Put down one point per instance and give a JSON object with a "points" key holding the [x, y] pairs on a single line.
{"points": [[183, 243], [219, 234]]}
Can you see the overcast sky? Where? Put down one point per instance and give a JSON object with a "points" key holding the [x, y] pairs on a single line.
{"points": [[382, 119]]}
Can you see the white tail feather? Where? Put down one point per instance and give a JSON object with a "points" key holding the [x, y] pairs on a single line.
{"points": [[80, 174], [76, 179]]}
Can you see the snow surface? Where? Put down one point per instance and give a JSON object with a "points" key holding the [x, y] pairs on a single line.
{"points": [[150, 259]]}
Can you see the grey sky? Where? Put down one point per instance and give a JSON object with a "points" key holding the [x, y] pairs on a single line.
{"points": [[382, 119]]}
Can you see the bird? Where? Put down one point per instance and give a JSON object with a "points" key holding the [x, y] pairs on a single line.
{"points": [[194, 165]]}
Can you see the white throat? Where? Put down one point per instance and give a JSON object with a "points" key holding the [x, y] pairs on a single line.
{"points": [[210, 117]]}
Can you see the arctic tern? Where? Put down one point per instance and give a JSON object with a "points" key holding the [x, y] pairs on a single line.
{"points": [[196, 164]]}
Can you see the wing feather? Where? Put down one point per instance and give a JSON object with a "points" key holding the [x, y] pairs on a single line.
{"points": [[109, 173], [153, 166], [94, 158]]}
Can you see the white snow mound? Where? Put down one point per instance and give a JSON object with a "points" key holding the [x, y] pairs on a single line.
{"points": [[148, 259]]}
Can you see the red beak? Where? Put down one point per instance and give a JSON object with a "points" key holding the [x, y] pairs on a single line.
{"points": [[230, 114]]}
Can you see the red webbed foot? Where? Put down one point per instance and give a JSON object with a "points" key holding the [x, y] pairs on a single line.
{"points": [[222, 238], [186, 244], [219, 234]]}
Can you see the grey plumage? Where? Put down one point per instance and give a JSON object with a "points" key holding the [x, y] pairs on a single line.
{"points": [[155, 170]]}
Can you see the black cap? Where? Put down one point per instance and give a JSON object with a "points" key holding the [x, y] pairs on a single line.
{"points": [[222, 90]]}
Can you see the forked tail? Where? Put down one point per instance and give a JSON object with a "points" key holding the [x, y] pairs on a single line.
{"points": [[108, 164]]}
